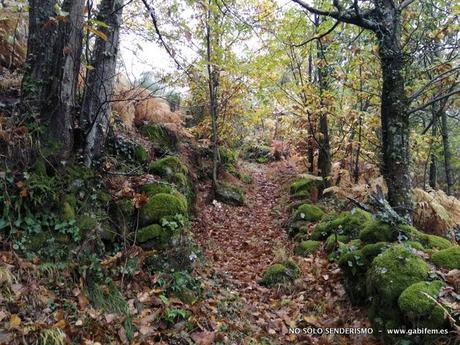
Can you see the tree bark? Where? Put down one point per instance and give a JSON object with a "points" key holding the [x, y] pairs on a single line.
{"points": [[394, 115], [433, 174], [447, 153], [213, 81], [324, 71], [51, 74], [99, 85]]}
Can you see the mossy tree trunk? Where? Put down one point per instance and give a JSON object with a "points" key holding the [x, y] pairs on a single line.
{"points": [[51, 73], [99, 85], [394, 115]]}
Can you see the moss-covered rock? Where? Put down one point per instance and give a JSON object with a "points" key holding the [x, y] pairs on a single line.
{"points": [[163, 139], [332, 242], [420, 309], [346, 223], [370, 251], [154, 236], [305, 185], [308, 212], [447, 258], [229, 194], [154, 188], [168, 167], [306, 248], [390, 274], [140, 154], [160, 206], [280, 273], [393, 271], [377, 231]]}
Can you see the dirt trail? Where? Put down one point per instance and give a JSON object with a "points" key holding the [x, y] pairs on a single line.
{"points": [[239, 243]]}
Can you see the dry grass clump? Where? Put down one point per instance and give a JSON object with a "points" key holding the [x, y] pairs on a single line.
{"points": [[13, 39], [137, 105], [435, 211]]}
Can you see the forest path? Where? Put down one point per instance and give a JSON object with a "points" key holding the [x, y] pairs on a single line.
{"points": [[239, 243]]}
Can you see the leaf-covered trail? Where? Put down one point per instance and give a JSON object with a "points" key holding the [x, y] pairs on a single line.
{"points": [[239, 243]]}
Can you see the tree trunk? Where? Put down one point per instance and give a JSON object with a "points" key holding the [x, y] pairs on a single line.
{"points": [[447, 153], [394, 115], [213, 81], [40, 55], [433, 175], [50, 79], [324, 71], [99, 85]]}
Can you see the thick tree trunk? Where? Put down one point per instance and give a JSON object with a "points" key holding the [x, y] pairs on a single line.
{"points": [[394, 115], [40, 55], [53, 63], [447, 153], [99, 85]]}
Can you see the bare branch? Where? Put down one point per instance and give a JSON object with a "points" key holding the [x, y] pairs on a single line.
{"points": [[405, 3], [348, 16], [434, 100]]}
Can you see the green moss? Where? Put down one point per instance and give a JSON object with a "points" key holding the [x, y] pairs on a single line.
{"points": [[155, 234], [377, 231], [308, 212], [447, 258], [306, 248], [393, 271], [414, 244], [426, 240], [320, 232], [86, 223], [168, 166], [370, 251], [229, 194], [436, 242], [141, 154], [68, 211], [159, 206], [304, 186], [390, 274], [154, 188], [280, 273], [346, 223], [160, 137], [104, 198], [262, 160], [420, 309], [331, 244]]}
